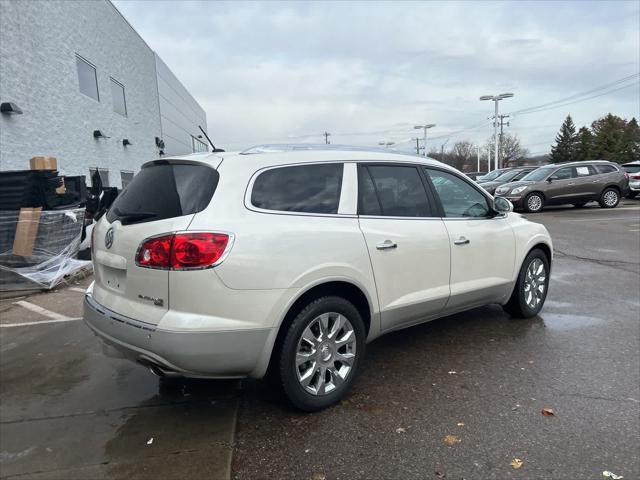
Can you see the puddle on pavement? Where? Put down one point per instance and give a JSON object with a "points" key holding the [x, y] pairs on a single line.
{"points": [[567, 321]]}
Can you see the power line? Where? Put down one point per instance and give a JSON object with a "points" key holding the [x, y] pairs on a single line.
{"points": [[570, 99]]}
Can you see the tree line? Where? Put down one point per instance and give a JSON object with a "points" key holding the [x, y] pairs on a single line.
{"points": [[610, 138]]}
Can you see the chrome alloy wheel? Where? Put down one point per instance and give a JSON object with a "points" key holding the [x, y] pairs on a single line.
{"points": [[534, 202], [326, 353], [610, 198], [535, 283]]}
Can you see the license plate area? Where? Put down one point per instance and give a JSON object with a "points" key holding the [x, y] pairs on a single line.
{"points": [[113, 279]]}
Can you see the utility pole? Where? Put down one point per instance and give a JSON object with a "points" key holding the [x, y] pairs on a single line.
{"points": [[478, 159], [496, 99], [326, 137], [417, 145], [442, 150], [502, 117], [424, 139]]}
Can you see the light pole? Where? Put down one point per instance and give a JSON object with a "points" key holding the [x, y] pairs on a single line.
{"points": [[424, 138], [496, 99]]}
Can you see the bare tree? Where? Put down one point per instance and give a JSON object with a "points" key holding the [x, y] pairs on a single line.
{"points": [[463, 154], [511, 151]]}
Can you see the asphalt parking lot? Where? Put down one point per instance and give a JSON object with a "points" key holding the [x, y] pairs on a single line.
{"points": [[461, 397]]}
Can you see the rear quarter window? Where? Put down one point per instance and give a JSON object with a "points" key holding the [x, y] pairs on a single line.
{"points": [[165, 190], [301, 188], [607, 168]]}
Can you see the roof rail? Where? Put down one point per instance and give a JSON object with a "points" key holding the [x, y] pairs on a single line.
{"points": [[292, 147]]}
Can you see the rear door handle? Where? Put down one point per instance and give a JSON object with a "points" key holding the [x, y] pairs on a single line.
{"points": [[461, 241], [386, 245]]}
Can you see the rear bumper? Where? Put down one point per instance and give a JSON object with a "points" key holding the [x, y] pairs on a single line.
{"points": [[634, 187], [223, 354]]}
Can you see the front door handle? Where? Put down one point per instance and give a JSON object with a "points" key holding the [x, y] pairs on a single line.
{"points": [[461, 241], [386, 245]]}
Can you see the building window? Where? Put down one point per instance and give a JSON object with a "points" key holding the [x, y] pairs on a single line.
{"points": [[87, 78], [117, 92], [126, 176], [198, 145], [104, 176]]}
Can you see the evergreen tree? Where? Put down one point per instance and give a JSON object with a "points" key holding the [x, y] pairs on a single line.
{"points": [[584, 145], [608, 133], [629, 149], [564, 149]]}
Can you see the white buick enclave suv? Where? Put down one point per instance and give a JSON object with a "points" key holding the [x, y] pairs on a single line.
{"points": [[289, 260]]}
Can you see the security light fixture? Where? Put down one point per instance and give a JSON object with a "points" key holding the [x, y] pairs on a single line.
{"points": [[10, 108], [126, 142], [99, 134]]}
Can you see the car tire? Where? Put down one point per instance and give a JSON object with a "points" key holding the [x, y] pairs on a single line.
{"points": [[533, 203], [523, 302], [331, 333], [610, 198], [579, 205]]}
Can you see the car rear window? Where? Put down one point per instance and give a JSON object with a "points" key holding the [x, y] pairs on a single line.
{"points": [[165, 190], [306, 188], [631, 168]]}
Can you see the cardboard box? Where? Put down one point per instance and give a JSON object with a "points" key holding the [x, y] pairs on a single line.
{"points": [[26, 231], [62, 188], [43, 163]]}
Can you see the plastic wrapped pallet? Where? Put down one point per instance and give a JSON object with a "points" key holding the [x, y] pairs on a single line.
{"points": [[53, 244]]}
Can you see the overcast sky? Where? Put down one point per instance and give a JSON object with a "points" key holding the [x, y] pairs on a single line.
{"points": [[368, 71]]}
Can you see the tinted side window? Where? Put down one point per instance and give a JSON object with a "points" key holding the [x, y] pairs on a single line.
{"points": [[564, 173], [458, 198], [400, 191], [607, 168], [368, 203], [304, 188]]}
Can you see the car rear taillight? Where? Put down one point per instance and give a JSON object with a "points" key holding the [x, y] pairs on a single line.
{"points": [[635, 177], [183, 251], [626, 175]]}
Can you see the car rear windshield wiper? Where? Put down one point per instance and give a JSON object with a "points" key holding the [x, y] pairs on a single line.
{"points": [[133, 216]]}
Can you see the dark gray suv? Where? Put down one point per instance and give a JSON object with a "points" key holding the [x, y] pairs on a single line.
{"points": [[568, 183]]}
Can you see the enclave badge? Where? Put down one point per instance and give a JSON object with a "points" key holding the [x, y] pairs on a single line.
{"points": [[108, 238]]}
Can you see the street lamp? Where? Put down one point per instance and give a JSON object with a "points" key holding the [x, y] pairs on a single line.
{"points": [[496, 99], [424, 138]]}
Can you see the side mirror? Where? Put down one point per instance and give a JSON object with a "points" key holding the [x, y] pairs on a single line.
{"points": [[552, 178], [502, 205]]}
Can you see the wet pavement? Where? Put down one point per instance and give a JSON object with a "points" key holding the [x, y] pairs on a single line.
{"points": [[461, 397]]}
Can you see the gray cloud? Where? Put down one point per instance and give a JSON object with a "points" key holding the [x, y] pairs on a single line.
{"points": [[270, 71]]}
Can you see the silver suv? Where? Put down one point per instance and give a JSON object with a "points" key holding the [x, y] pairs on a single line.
{"points": [[288, 262]]}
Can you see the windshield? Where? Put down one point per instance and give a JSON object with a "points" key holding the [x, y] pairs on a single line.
{"points": [[492, 175], [508, 175], [539, 174]]}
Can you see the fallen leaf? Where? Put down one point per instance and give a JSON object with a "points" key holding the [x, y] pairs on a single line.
{"points": [[318, 476], [460, 424], [548, 412], [400, 430], [451, 440], [150, 441], [516, 463], [611, 475]]}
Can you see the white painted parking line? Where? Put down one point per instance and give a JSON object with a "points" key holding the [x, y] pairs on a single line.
{"points": [[26, 324], [598, 219], [77, 289], [42, 311]]}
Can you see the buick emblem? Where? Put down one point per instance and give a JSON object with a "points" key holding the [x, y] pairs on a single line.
{"points": [[108, 238]]}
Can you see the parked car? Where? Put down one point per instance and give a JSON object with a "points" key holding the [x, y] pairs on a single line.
{"points": [[633, 169], [492, 175], [511, 175], [287, 263], [474, 175], [574, 183]]}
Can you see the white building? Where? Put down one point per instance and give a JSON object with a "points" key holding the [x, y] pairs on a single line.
{"points": [[92, 93]]}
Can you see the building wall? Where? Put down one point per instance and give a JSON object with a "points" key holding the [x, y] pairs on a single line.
{"points": [[39, 41], [180, 114]]}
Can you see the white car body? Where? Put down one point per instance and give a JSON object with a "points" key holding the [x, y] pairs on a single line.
{"points": [[223, 321]]}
